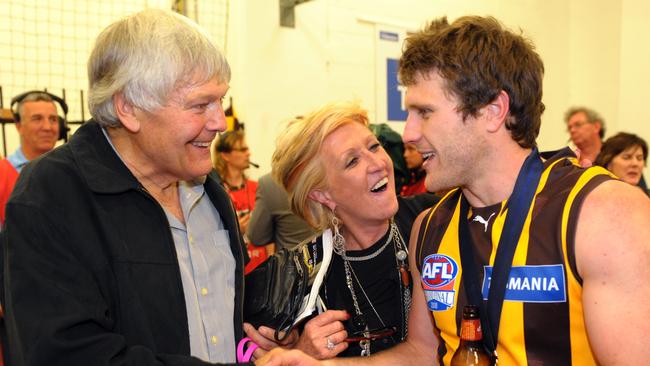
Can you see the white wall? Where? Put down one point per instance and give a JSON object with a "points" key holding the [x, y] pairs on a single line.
{"points": [[595, 62], [634, 72]]}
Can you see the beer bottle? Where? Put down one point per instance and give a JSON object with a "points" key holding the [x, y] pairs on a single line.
{"points": [[471, 351]]}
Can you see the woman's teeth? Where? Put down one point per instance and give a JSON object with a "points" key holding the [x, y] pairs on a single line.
{"points": [[379, 185]]}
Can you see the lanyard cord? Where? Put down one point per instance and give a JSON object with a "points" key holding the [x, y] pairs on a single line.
{"points": [[518, 205]]}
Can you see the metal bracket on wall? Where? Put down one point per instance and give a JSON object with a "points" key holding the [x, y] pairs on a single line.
{"points": [[288, 13]]}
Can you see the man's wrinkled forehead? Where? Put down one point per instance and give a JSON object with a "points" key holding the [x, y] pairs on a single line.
{"points": [[37, 107], [579, 117]]}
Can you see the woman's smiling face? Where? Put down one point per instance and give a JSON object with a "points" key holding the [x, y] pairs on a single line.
{"points": [[360, 178]]}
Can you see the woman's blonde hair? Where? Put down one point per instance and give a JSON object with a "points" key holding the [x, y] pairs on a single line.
{"points": [[297, 163]]}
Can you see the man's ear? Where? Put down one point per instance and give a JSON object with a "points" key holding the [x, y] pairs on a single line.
{"points": [[497, 111], [600, 126], [323, 198], [126, 113]]}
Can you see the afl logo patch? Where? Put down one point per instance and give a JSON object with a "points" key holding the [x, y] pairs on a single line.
{"points": [[439, 274]]}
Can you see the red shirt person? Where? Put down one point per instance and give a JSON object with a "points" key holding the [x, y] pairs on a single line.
{"points": [[415, 183], [231, 158]]}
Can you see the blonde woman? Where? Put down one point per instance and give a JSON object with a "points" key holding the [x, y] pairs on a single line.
{"points": [[339, 177]]}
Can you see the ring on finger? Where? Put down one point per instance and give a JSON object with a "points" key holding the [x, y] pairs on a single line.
{"points": [[330, 344]]}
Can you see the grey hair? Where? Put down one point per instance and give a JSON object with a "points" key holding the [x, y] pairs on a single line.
{"points": [[33, 97], [146, 56], [592, 117]]}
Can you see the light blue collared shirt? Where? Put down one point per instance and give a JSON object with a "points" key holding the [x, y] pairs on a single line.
{"points": [[208, 274], [18, 159], [207, 268]]}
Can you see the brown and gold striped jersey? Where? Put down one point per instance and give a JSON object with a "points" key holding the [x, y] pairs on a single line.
{"points": [[542, 320]]}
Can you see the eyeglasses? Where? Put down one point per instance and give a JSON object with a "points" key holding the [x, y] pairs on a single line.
{"points": [[371, 335], [240, 149], [576, 125]]}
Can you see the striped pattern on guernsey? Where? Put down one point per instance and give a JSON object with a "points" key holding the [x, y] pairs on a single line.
{"points": [[533, 333]]}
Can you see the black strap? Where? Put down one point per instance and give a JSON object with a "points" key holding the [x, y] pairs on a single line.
{"points": [[296, 296], [518, 206]]}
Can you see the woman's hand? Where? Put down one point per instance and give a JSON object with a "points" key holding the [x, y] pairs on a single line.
{"points": [[264, 338], [324, 335]]}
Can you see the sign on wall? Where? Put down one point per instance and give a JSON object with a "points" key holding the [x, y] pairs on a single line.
{"points": [[394, 93], [389, 93]]}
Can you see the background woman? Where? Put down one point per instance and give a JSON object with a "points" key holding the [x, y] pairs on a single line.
{"points": [[231, 158], [338, 176], [624, 154]]}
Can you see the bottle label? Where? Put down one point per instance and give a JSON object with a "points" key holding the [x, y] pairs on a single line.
{"points": [[471, 330]]}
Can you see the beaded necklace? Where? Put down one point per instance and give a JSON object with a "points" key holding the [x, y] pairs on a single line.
{"points": [[401, 254]]}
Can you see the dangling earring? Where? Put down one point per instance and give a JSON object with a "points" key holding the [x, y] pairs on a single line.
{"points": [[339, 241]]}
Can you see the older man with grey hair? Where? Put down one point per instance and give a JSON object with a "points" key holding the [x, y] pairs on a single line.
{"points": [[587, 130], [37, 124], [121, 246]]}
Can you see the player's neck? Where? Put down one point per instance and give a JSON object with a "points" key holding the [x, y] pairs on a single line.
{"points": [[498, 179]]}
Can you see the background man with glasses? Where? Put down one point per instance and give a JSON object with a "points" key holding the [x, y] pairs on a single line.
{"points": [[587, 130]]}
